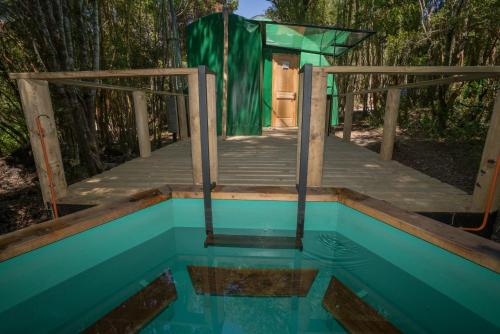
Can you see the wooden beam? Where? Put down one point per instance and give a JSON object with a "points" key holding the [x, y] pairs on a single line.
{"points": [[37, 104], [390, 123], [146, 72], [225, 72], [348, 111], [182, 117], [80, 83], [194, 125], [426, 83], [39, 235], [317, 129], [253, 241], [479, 250], [488, 160], [256, 193], [141, 123], [136, 312], [253, 282], [194, 119], [409, 70], [212, 127], [352, 312]]}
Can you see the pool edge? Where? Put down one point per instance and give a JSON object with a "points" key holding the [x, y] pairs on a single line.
{"points": [[481, 251]]}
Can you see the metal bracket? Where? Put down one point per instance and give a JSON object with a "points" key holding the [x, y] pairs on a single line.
{"points": [[205, 153], [304, 148]]}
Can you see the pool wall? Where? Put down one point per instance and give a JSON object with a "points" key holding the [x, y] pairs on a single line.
{"points": [[29, 273]]}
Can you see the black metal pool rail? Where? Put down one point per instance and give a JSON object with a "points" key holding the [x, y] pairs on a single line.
{"points": [[256, 241], [205, 151], [305, 127]]}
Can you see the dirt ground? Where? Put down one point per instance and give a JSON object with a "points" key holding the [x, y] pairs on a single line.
{"points": [[20, 198], [454, 163]]}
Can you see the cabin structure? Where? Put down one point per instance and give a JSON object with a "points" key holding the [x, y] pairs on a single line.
{"points": [[257, 64]]}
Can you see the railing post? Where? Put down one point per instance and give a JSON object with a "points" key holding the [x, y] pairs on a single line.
{"points": [[488, 160], [141, 123], [348, 110], [194, 122], [390, 123], [36, 102], [317, 128], [212, 127], [194, 125]]}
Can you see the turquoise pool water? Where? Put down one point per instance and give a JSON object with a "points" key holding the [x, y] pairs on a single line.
{"points": [[68, 285]]}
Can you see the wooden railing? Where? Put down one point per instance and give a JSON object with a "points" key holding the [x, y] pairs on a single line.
{"points": [[35, 98], [453, 73], [36, 102]]}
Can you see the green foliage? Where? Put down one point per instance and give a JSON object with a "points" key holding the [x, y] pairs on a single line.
{"points": [[68, 35], [409, 32]]}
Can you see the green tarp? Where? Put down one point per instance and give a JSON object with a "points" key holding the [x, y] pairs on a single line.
{"points": [[205, 45], [314, 39], [248, 107]]}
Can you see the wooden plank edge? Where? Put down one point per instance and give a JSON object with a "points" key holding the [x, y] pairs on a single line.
{"points": [[137, 311], [266, 193], [251, 282], [103, 74], [36, 236], [253, 241], [352, 312], [409, 70], [474, 248]]}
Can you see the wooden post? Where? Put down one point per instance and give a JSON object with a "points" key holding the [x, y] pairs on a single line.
{"points": [[225, 72], [194, 121], [141, 123], [348, 111], [390, 123], [182, 117], [317, 129], [488, 160], [36, 102], [194, 124]]}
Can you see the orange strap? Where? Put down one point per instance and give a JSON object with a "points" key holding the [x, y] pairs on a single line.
{"points": [[489, 202]]}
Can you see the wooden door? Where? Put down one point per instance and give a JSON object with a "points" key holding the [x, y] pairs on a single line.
{"points": [[285, 90]]}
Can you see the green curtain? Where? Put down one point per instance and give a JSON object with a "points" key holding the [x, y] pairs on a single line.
{"points": [[205, 44]]}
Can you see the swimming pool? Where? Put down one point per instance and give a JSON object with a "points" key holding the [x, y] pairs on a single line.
{"points": [[76, 275]]}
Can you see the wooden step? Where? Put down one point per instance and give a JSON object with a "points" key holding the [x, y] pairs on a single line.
{"points": [[137, 311], [252, 282], [353, 313], [253, 241]]}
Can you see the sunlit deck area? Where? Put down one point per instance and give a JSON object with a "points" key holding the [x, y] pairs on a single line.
{"points": [[271, 160]]}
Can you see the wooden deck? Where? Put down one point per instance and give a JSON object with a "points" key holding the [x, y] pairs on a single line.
{"points": [[271, 160]]}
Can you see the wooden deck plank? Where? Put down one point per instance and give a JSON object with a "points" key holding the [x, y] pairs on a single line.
{"points": [[271, 160]]}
